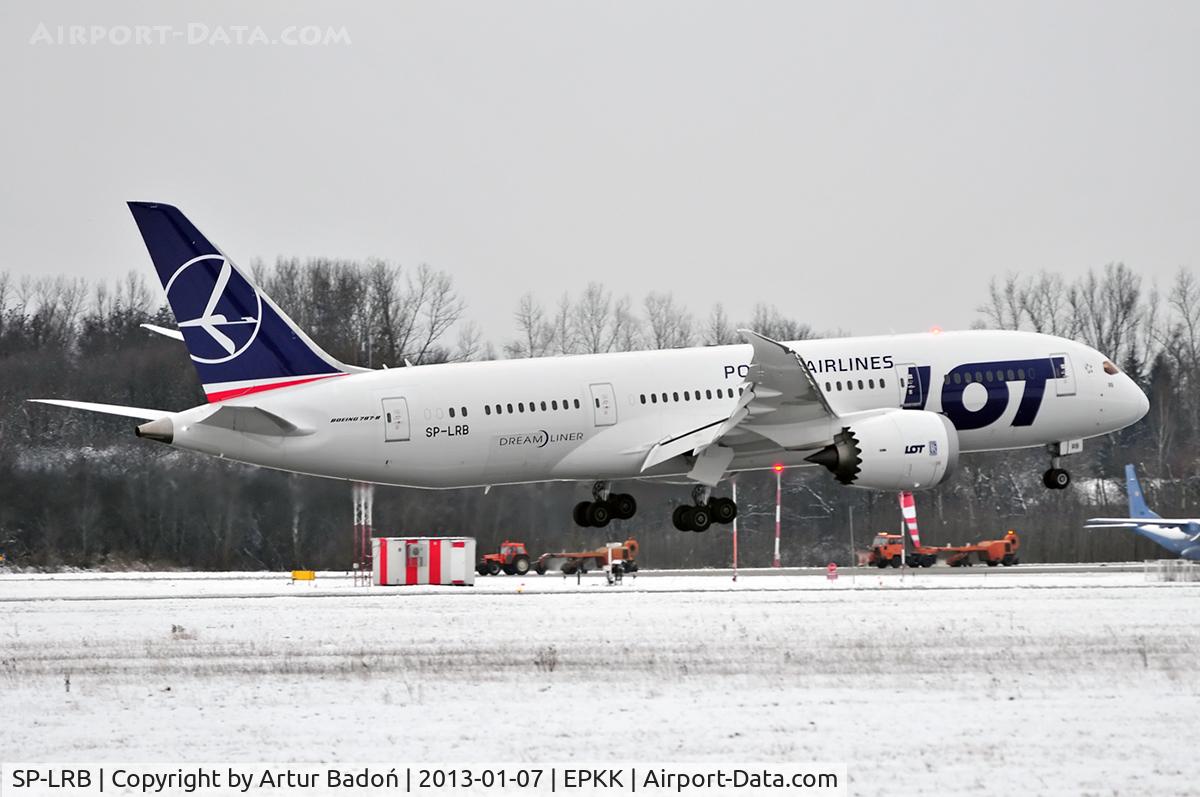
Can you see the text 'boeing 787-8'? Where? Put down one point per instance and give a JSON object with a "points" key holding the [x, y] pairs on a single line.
{"points": [[888, 413]]}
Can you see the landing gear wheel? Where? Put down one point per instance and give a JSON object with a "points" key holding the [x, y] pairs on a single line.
{"points": [[598, 514], [1056, 479], [493, 568], [581, 513], [723, 510], [623, 506], [701, 519], [682, 518], [520, 565]]}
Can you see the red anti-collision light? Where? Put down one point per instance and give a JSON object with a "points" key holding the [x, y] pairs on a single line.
{"points": [[777, 468]]}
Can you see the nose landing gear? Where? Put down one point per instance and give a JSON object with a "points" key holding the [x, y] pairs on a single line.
{"points": [[1057, 477]]}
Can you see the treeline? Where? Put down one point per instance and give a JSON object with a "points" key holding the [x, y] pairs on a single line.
{"points": [[77, 489]]}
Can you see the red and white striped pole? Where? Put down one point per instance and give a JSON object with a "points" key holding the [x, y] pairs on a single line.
{"points": [[908, 508], [778, 502], [734, 485]]}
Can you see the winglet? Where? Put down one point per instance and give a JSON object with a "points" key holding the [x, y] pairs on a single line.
{"points": [[772, 357]]}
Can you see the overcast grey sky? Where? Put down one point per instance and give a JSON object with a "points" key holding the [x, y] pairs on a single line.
{"points": [[861, 165]]}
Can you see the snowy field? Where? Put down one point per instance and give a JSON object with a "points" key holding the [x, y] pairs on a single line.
{"points": [[981, 682]]}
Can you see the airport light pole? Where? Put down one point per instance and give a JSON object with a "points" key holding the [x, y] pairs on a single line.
{"points": [[778, 503]]}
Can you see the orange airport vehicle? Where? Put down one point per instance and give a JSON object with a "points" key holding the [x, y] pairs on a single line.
{"points": [[513, 559], [990, 552], [886, 550], [624, 554]]}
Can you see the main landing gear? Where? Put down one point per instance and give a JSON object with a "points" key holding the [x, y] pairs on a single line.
{"points": [[606, 506], [706, 511], [1057, 478]]}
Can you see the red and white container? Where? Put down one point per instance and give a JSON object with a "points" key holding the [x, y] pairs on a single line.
{"points": [[399, 561]]}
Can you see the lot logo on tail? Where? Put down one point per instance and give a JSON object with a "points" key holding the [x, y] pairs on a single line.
{"points": [[218, 310]]}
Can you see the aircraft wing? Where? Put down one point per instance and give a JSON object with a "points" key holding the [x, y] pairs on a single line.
{"points": [[776, 410], [1131, 523]]}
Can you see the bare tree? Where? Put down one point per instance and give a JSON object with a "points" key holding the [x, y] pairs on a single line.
{"points": [[770, 322], [718, 331], [535, 333], [1107, 309], [670, 324], [564, 326]]}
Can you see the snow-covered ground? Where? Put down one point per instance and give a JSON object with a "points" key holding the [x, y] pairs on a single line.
{"points": [[982, 682]]}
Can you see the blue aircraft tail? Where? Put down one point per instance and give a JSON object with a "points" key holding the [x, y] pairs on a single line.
{"points": [[239, 340], [1137, 502]]}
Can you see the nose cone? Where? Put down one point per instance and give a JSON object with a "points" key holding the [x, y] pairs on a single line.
{"points": [[1135, 402]]}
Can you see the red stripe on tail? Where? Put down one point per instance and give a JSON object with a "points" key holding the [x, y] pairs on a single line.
{"points": [[222, 395]]}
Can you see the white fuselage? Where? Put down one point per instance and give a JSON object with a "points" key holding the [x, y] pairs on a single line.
{"points": [[596, 416]]}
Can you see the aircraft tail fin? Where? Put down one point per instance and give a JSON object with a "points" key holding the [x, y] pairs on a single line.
{"points": [[1137, 502], [239, 340]]}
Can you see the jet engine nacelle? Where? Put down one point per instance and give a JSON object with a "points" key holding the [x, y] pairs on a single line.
{"points": [[896, 450]]}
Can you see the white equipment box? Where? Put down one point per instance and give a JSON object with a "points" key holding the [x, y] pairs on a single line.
{"points": [[423, 560]]}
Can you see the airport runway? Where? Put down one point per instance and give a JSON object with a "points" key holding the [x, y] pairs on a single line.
{"points": [[1114, 567], [785, 664], [175, 586]]}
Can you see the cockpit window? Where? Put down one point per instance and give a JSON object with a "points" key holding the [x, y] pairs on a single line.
{"points": [[1111, 369]]}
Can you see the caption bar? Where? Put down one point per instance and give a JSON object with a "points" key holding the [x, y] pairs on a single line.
{"points": [[425, 780]]}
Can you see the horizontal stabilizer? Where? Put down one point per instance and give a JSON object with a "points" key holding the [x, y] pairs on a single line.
{"points": [[166, 332], [253, 420], [108, 409]]}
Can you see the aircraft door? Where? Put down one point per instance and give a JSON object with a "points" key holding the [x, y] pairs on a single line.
{"points": [[912, 393], [1063, 373], [395, 419], [604, 404]]}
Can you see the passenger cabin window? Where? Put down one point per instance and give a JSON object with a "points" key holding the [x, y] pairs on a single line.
{"points": [[451, 412], [576, 403]]}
